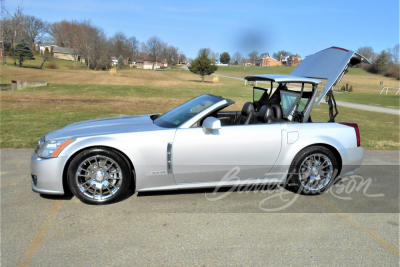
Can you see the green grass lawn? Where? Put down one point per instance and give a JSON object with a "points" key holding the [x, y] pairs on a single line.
{"points": [[37, 62], [242, 71], [28, 114]]}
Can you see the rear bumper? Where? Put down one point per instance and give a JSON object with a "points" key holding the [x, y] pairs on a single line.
{"points": [[47, 175], [351, 159]]}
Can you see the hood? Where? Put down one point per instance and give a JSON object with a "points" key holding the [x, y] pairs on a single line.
{"points": [[112, 125], [330, 64]]}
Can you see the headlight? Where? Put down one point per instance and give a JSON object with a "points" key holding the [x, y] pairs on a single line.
{"points": [[51, 148], [39, 146]]}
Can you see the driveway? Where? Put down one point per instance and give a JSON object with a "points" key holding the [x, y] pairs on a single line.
{"points": [[193, 228]]}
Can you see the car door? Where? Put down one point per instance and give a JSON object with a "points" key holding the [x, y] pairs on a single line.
{"points": [[200, 157]]}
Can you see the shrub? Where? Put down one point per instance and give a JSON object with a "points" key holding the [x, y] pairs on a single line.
{"points": [[113, 71], [393, 73], [351, 88], [343, 88], [51, 65]]}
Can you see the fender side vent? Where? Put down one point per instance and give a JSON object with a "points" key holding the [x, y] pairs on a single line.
{"points": [[169, 157]]}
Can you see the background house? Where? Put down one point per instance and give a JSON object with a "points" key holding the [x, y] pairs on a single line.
{"points": [[148, 63], [265, 60], [63, 53], [293, 60], [42, 47]]}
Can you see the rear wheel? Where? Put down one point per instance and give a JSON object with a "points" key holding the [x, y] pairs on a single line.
{"points": [[313, 170], [99, 176]]}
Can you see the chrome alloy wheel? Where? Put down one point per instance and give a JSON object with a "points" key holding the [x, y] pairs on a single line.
{"points": [[99, 177], [315, 172]]}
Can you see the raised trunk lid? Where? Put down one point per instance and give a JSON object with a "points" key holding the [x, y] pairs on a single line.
{"points": [[330, 64]]}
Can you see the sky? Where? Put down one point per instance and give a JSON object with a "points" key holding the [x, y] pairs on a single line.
{"points": [[301, 27]]}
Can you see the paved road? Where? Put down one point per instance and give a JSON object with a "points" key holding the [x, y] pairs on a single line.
{"points": [[185, 228], [394, 111], [339, 103]]}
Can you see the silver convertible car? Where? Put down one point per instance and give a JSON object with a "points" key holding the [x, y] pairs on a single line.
{"points": [[201, 145]]}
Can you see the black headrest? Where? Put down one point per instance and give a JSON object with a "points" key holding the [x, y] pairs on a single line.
{"points": [[247, 108], [278, 111], [265, 112]]}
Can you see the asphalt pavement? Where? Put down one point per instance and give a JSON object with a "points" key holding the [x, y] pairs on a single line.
{"points": [[194, 227]]}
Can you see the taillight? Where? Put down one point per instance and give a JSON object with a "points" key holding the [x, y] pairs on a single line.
{"points": [[355, 126]]}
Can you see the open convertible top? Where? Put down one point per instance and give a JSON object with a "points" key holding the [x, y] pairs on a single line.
{"points": [[330, 64]]}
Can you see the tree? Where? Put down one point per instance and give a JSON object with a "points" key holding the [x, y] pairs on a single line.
{"points": [[381, 62], [225, 58], [120, 63], [11, 30], [143, 48], [22, 52], [278, 54], [236, 58], [133, 46], [253, 56], [33, 29], [395, 51], [154, 48], [121, 45], [367, 52], [203, 64]]}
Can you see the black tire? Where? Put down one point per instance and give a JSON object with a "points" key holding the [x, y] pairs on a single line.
{"points": [[294, 183], [117, 187]]}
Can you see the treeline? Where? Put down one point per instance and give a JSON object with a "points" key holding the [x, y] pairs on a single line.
{"points": [[239, 59], [86, 41], [385, 63]]}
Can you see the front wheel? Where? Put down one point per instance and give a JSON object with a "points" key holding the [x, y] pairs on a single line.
{"points": [[99, 176], [313, 170]]}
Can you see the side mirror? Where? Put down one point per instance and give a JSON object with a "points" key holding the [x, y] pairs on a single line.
{"points": [[211, 123]]}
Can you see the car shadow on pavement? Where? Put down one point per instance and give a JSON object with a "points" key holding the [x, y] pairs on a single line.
{"points": [[58, 197], [234, 189]]}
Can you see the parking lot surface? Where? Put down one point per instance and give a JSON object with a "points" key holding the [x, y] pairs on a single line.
{"points": [[194, 227]]}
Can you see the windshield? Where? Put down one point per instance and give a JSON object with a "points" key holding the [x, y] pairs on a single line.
{"points": [[186, 111]]}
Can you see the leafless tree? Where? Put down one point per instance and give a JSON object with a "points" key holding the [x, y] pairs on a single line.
{"points": [[61, 33], [11, 29], [133, 46], [214, 56], [243, 60], [121, 45], [394, 52], [236, 58], [253, 56], [283, 53], [143, 48], [33, 29], [154, 47], [367, 52]]}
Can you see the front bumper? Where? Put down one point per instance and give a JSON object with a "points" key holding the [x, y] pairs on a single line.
{"points": [[48, 174]]}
